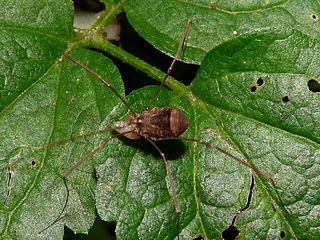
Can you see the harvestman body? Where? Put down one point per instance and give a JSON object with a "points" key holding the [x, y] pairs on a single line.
{"points": [[154, 124]]}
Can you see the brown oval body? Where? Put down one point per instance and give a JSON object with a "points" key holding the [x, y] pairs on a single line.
{"points": [[161, 123]]}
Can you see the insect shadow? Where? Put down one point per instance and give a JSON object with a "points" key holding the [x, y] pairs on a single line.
{"points": [[173, 149]]}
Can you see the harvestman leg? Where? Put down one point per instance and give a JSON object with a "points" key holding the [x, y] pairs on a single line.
{"points": [[104, 142], [180, 49], [239, 160], [69, 171], [170, 179]]}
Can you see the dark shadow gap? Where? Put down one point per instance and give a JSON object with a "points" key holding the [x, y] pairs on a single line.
{"points": [[99, 230]]}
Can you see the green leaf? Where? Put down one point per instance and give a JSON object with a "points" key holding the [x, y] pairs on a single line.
{"points": [[255, 76], [65, 102], [237, 101], [254, 125], [248, 78], [31, 40], [215, 23]]}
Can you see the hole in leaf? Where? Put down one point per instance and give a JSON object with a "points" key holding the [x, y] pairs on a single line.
{"points": [[285, 99], [99, 230], [259, 81], [230, 233], [282, 234], [248, 202], [314, 85], [249, 195], [253, 89], [73, 99], [314, 16], [199, 238], [33, 162]]}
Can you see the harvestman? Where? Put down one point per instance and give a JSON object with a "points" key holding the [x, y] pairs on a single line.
{"points": [[153, 125]]}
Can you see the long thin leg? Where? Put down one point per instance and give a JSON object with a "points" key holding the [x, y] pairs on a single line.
{"points": [[62, 210], [239, 160], [71, 139], [179, 50], [69, 171], [170, 179], [98, 76], [88, 156]]}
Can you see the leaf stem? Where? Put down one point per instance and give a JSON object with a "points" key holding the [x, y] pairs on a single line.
{"points": [[92, 38], [153, 72], [112, 10]]}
